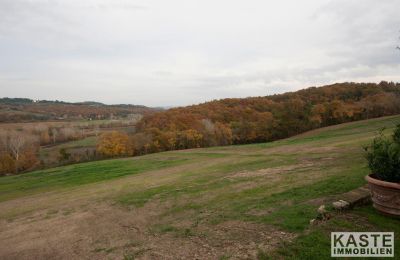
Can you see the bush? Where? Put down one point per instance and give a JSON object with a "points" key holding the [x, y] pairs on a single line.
{"points": [[396, 134], [383, 156], [7, 164]]}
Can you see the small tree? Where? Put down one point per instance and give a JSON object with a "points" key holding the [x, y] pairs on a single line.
{"points": [[16, 144], [114, 144], [54, 134], [7, 163]]}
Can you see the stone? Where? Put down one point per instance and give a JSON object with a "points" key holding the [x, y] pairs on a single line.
{"points": [[321, 210], [341, 205], [356, 197]]}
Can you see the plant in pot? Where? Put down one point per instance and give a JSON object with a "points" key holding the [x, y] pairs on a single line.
{"points": [[383, 156]]}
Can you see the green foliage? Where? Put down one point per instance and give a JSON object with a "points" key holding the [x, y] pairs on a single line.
{"points": [[396, 134], [383, 156]]}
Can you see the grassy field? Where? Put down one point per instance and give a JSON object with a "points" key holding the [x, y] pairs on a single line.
{"points": [[81, 145], [50, 154], [234, 202]]}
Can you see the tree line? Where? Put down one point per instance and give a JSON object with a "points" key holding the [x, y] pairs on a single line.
{"points": [[26, 110], [255, 119]]}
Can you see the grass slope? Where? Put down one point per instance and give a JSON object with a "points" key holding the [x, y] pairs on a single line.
{"points": [[277, 185]]}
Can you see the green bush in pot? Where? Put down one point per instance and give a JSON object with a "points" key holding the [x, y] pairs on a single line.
{"points": [[383, 156]]}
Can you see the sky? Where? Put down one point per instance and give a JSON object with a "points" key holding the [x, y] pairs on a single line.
{"points": [[174, 53]]}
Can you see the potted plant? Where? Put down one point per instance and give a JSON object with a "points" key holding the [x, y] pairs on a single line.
{"points": [[383, 156]]}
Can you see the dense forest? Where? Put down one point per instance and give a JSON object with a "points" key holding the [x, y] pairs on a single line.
{"points": [[259, 119], [27, 110]]}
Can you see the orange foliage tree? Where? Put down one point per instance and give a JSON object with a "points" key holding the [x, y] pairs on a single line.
{"points": [[261, 119], [112, 144]]}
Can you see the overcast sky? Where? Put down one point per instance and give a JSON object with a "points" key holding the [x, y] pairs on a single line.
{"points": [[165, 53]]}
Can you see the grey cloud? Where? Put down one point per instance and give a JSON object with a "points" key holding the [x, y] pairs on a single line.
{"points": [[174, 53]]}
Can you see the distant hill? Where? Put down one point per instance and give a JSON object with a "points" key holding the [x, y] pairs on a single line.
{"points": [[28, 110], [260, 119], [15, 101], [90, 103]]}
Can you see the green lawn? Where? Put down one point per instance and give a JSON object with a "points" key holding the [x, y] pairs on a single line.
{"points": [[315, 244], [79, 174], [278, 185]]}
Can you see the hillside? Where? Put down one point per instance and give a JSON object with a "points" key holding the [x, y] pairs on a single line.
{"points": [[242, 201], [26, 110], [261, 119]]}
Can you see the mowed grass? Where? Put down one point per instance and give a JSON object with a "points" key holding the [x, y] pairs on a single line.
{"points": [[347, 161], [278, 184], [79, 174]]}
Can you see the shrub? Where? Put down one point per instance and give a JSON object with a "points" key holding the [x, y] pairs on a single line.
{"points": [[383, 156], [63, 155], [7, 164], [396, 134]]}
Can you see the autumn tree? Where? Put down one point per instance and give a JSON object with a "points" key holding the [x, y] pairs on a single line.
{"points": [[18, 150], [223, 134], [318, 114], [189, 139], [7, 163], [19, 146], [112, 144], [260, 119]]}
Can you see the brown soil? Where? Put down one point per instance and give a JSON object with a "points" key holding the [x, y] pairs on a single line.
{"points": [[103, 231]]}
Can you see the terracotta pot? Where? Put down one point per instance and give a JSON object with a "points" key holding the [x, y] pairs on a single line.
{"points": [[385, 195]]}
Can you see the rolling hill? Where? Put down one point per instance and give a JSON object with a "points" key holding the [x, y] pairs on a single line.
{"points": [[17, 110], [263, 119], [242, 201]]}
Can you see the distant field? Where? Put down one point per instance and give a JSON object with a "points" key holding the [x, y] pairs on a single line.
{"points": [[245, 201], [82, 140], [50, 154]]}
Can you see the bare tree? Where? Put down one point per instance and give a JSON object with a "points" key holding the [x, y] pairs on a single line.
{"points": [[16, 143], [68, 133], [54, 133], [40, 128], [96, 131]]}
